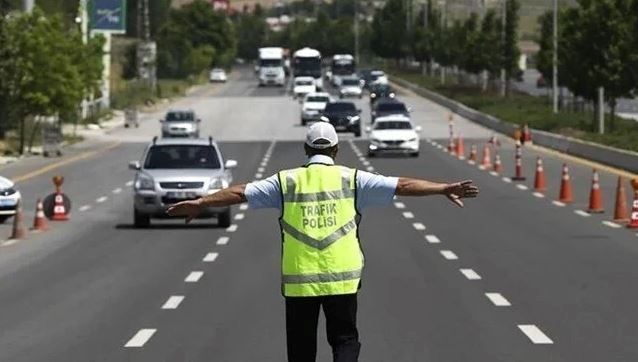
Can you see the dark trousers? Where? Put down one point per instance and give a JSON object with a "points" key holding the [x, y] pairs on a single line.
{"points": [[302, 315]]}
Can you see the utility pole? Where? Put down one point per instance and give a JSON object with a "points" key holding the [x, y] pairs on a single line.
{"points": [[27, 5], [503, 24], [555, 59], [601, 110], [443, 5]]}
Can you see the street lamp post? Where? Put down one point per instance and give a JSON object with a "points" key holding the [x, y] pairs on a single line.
{"points": [[555, 59], [27, 5]]}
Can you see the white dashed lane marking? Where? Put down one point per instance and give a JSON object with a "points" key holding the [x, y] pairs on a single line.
{"points": [[130, 183], [408, 215], [223, 240], [261, 169], [366, 163], [399, 205], [535, 334], [173, 302], [232, 228], [239, 217], [449, 255], [85, 208], [140, 338], [612, 224], [498, 300], [470, 274], [101, 199], [258, 175], [117, 190], [507, 179], [582, 213], [370, 169], [210, 257], [521, 187], [494, 173], [194, 276], [432, 239], [243, 207], [559, 204], [538, 194], [418, 226]]}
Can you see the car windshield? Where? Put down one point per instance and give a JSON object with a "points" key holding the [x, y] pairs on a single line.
{"points": [[303, 82], [182, 157], [391, 107], [180, 117], [350, 82], [381, 88], [319, 99], [218, 71], [393, 125], [340, 107], [270, 63], [307, 67]]}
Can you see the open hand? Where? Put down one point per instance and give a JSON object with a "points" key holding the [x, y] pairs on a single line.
{"points": [[460, 190], [189, 208]]}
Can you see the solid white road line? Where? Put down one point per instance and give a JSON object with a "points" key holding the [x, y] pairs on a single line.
{"points": [[612, 224], [232, 228], [173, 302], [243, 207], [370, 169], [210, 257], [223, 240], [101, 199], [535, 334], [130, 183], [498, 300], [470, 274], [408, 215], [85, 208], [140, 338], [558, 203], [194, 276], [582, 213], [399, 205], [538, 194], [507, 179], [418, 226], [449, 255], [117, 190], [432, 239], [239, 217], [521, 187]]}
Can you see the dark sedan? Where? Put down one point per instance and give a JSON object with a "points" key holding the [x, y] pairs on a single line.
{"points": [[380, 91], [344, 116], [388, 107]]}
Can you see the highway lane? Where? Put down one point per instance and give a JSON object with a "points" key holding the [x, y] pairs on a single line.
{"points": [[101, 282]]}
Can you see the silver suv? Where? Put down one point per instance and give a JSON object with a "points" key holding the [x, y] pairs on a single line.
{"points": [[173, 170], [182, 123]]}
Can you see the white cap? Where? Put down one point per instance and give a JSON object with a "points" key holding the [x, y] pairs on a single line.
{"points": [[321, 135]]}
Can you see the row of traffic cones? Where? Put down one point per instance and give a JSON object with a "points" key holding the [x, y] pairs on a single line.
{"points": [[40, 223]]}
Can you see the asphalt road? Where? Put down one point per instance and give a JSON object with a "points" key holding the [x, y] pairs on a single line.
{"points": [[94, 288]]}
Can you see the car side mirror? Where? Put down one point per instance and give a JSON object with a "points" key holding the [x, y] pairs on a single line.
{"points": [[418, 129], [368, 129], [134, 165], [409, 109], [230, 164], [199, 120]]}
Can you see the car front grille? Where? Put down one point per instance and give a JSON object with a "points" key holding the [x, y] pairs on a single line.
{"points": [[171, 200], [181, 185], [393, 143]]}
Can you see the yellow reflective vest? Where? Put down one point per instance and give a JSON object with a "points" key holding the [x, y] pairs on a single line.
{"points": [[321, 251]]}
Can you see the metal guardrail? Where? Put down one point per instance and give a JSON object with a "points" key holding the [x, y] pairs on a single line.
{"points": [[623, 159]]}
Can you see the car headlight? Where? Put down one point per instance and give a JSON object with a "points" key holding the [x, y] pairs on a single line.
{"points": [[411, 140], [7, 192], [325, 119], [217, 184], [354, 119], [391, 95], [373, 95], [144, 182]]}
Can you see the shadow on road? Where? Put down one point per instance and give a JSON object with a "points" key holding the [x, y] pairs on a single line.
{"points": [[167, 226]]}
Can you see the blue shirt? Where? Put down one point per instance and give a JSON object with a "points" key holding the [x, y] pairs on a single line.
{"points": [[372, 189]]}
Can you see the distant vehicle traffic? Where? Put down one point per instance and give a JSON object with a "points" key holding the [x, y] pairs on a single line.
{"points": [[312, 107], [218, 75], [306, 62], [271, 66], [174, 170], [344, 116], [350, 87], [180, 123], [393, 134], [380, 91], [378, 77], [302, 86], [342, 65], [10, 197], [387, 107]]}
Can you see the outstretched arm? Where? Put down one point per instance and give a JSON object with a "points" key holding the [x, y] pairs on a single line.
{"points": [[453, 191], [226, 197]]}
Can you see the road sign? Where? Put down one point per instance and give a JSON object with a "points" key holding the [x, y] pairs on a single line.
{"points": [[108, 16]]}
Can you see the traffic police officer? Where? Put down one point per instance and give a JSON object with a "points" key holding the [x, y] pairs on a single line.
{"points": [[322, 259]]}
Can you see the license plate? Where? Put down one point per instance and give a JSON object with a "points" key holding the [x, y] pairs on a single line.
{"points": [[341, 128], [7, 202], [181, 195]]}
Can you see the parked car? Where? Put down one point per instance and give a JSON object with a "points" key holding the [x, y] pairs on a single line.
{"points": [[180, 123], [344, 116], [350, 87], [387, 107], [10, 197], [302, 86], [218, 75], [312, 106], [173, 170], [393, 134]]}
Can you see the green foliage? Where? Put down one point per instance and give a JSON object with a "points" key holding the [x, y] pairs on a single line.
{"points": [[510, 51], [544, 62], [389, 32], [251, 35]]}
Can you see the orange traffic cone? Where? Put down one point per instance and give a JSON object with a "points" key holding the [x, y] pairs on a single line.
{"points": [[519, 163], [527, 134], [595, 195], [460, 147], [487, 159], [59, 210], [40, 221], [620, 211], [18, 231], [539, 179], [565, 186], [633, 221], [473, 153], [498, 166], [451, 148]]}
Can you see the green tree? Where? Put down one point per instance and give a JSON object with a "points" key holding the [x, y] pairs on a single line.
{"points": [[389, 32], [510, 51], [251, 34], [544, 58]]}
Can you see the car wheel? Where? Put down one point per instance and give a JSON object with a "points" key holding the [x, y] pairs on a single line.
{"points": [[414, 154], [371, 154], [223, 219], [141, 220], [357, 132], [3, 218], [303, 122]]}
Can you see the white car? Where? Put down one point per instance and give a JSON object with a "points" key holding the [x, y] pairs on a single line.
{"points": [[350, 87], [313, 105], [379, 77], [393, 134], [9, 199], [218, 75], [302, 86]]}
